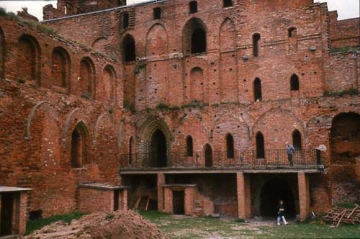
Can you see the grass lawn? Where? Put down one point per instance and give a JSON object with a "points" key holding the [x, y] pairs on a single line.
{"points": [[215, 228]]}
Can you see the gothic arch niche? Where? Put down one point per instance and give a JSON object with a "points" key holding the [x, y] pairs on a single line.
{"points": [[128, 48], [99, 44], [79, 144], [109, 77], [158, 150], [194, 37], [345, 138], [197, 85], [28, 59], [157, 41], [208, 155], [60, 67], [228, 62], [272, 191], [2, 54], [87, 78]]}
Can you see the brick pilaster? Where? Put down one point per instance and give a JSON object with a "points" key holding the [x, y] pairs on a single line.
{"points": [[304, 195], [243, 195], [160, 190]]}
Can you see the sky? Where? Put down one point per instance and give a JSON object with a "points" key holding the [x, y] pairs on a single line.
{"points": [[346, 8]]}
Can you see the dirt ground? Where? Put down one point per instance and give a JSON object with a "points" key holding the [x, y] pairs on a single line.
{"points": [[119, 224]]}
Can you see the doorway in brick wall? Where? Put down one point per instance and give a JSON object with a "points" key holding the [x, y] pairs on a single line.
{"points": [[7, 200], [158, 150], [178, 202], [208, 156]]}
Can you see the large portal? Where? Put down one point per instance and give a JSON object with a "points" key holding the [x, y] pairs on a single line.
{"points": [[158, 155], [272, 191]]}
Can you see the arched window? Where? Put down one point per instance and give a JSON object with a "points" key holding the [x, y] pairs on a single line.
{"points": [[28, 58], [292, 32], [257, 90], [189, 146], [294, 82], [193, 7], [60, 67], [260, 148], [87, 78], [128, 48], [78, 145], [227, 3], [296, 138], [198, 41], [125, 20], [229, 146], [256, 48]]}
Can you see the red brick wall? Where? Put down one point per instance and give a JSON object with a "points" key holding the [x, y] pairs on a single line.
{"points": [[95, 200], [344, 33]]}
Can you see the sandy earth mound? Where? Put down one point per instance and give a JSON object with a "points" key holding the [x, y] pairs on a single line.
{"points": [[119, 224]]}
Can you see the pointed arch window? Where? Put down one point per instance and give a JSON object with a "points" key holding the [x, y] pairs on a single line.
{"points": [[189, 146], [198, 41], [79, 145], [229, 146], [257, 90], [294, 82], [128, 49], [260, 147]]}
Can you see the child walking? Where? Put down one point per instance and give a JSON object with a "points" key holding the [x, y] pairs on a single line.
{"points": [[280, 215]]}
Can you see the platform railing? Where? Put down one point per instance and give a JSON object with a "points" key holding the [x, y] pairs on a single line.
{"points": [[270, 158]]}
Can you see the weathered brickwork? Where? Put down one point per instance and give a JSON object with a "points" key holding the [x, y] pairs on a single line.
{"points": [[170, 83]]}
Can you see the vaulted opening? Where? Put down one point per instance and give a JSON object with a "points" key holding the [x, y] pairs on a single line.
{"points": [[194, 37], [87, 78], [28, 58], [158, 150], [78, 145], [208, 156], [198, 41], [60, 67], [128, 48]]}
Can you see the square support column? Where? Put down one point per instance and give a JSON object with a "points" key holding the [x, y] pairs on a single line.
{"points": [[243, 196], [304, 195], [160, 191]]}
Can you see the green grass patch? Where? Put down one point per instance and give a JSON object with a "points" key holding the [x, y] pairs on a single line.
{"points": [[33, 225]]}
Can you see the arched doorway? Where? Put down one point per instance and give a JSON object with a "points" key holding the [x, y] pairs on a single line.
{"points": [[208, 156], [158, 156], [272, 191]]}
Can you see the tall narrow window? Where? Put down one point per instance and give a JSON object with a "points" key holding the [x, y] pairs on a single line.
{"points": [[229, 146], [294, 82], [193, 6], [227, 3], [260, 148], [256, 39], [198, 41], [292, 32], [131, 151], [60, 67], [125, 20], [157, 13], [78, 145], [129, 49], [257, 90], [189, 146], [296, 137]]}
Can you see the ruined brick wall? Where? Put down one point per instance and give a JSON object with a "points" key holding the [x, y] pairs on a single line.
{"points": [[344, 33], [95, 200]]}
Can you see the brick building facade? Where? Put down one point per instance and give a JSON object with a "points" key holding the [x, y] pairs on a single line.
{"points": [[185, 104]]}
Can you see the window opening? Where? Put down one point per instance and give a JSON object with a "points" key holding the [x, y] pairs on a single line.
{"points": [[129, 49], [256, 39], [294, 82], [125, 20], [296, 137], [189, 146], [193, 6], [292, 32], [157, 13], [198, 41], [229, 146], [227, 3], [257, 90], [260, 149]]}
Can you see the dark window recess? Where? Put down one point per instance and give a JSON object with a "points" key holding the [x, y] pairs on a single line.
{"points": [[125, 22], [198, 41], [256, 39], [193, 6], [257, 90], [294, 82], [292, 32], [229, 146], [157, 13], [189, 146], [129, 49], [296, 137], [227, 3], [260, 148]]}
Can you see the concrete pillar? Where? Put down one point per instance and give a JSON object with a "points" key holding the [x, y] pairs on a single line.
{"points": [[160, 191], [304, 195], [243, 196]]}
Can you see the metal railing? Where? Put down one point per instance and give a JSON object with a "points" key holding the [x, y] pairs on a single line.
{"points": [[271, 158]]}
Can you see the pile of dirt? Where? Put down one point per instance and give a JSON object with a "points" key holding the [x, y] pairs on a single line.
{"points": [[118, 224]]}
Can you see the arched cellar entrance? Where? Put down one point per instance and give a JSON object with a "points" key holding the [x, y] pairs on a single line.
{"points": [[276, 189], [158, 149]]}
